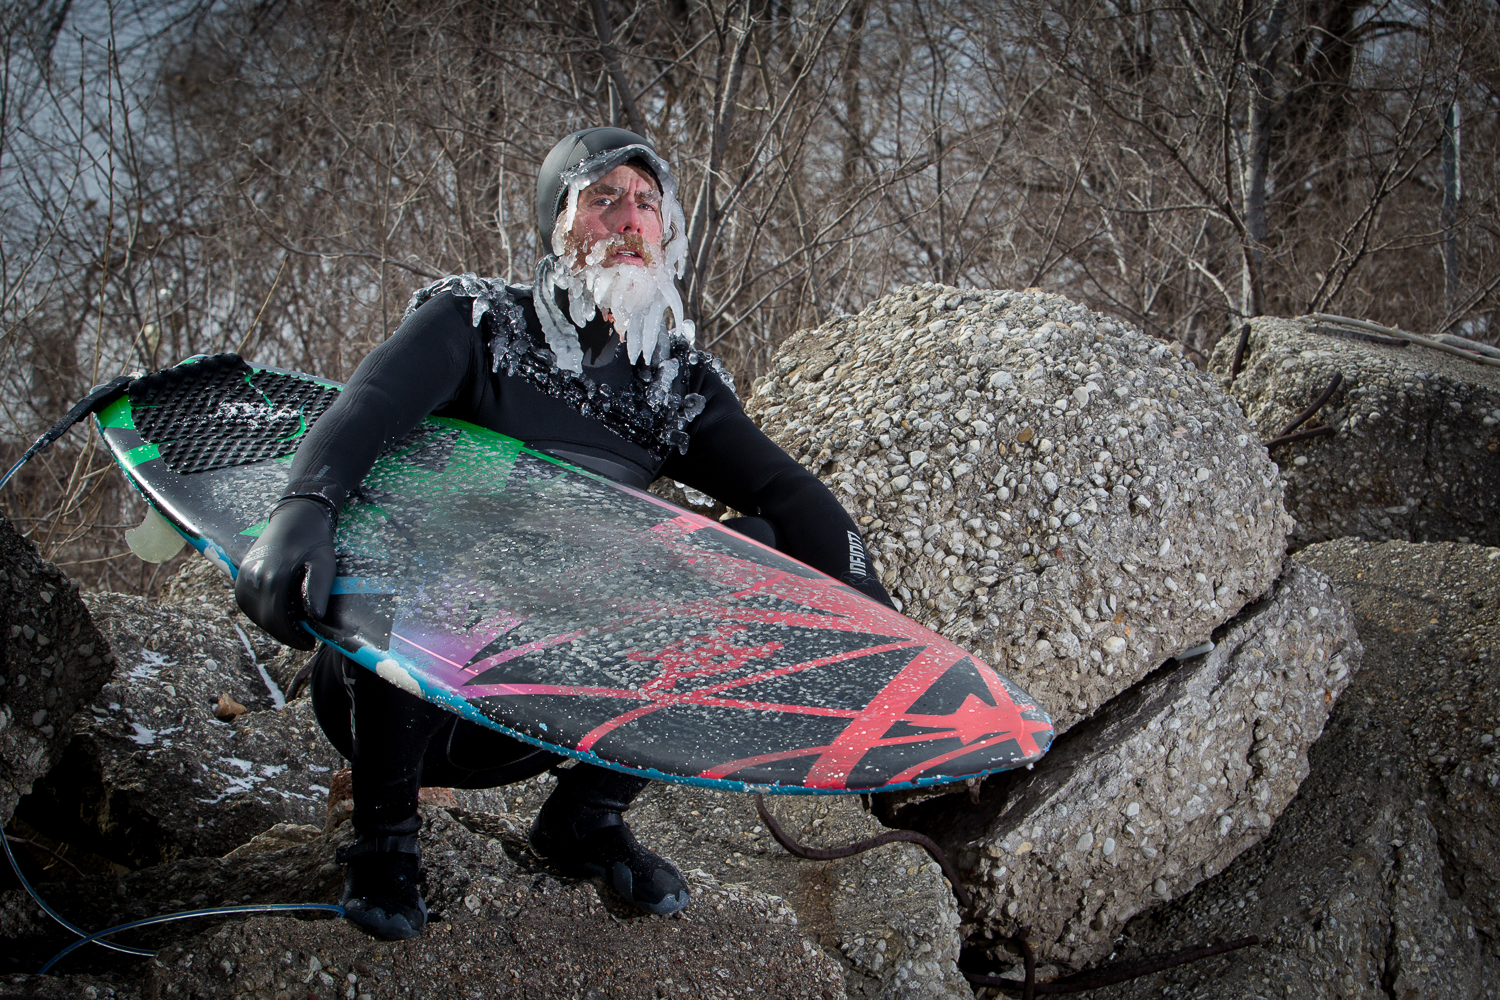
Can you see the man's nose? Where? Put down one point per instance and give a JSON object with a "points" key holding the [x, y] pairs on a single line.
{"points": [[628, 217]]}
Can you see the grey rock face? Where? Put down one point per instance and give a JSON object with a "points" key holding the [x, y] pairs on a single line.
{"points": [[54, 663], [888, 913], [1165, 786], [151, 775], [1051, 488], [68, 987], [1416, 456], [1379, 879], [203, 586], [1430, 618], [563, 944], [500, 928]]}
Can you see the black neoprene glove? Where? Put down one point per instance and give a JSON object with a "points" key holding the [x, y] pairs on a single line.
{"points": [[288, 573]]}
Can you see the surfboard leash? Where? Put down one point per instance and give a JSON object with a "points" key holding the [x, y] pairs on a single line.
{"points": [[1029, 987], [98, 937], [97, 399]]}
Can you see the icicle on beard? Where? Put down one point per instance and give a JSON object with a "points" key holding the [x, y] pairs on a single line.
{"points": [[639, 297]]}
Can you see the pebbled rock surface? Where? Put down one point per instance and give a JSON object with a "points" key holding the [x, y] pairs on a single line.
{"points": [[54, 662], [1416, 456], [150, 773], [1047, 486], [888, 915], [67, 987], [1163, 788], [501, 928], [1379, 880]]}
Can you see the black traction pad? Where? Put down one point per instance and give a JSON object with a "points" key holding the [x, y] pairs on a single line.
{"points": [[219, 412]]}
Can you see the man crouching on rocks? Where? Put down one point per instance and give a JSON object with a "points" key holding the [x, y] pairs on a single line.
{"points": [[603, 311]]}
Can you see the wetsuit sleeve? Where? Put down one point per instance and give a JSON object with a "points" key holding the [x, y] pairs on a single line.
{"points": [[429, 362], [732, 461]]}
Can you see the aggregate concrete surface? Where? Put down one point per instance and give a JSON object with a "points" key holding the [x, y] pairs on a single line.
{"points": [[151, 774], [53, 659], [1380, 879], [1416, 453], [1163, 788], [888, 914], [499, 926], [1047, 486]]}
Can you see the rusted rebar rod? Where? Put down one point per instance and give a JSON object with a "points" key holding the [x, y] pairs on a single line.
{"points": [[1239, 352], [1110, 976], [1300, 436], [1338, 379], [1414, 338]]}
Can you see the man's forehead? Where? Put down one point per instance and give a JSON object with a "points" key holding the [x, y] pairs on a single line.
{"points": [[608, 184]]}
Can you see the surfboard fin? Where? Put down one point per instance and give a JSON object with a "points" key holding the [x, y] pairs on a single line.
{"points": [[154, 540]]}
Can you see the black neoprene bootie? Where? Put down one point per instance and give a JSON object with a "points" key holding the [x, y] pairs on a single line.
{"points": [[381, 886], [581, 831]]}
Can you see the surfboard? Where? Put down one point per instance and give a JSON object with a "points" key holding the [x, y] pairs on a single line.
{"points": [[575, 613]]}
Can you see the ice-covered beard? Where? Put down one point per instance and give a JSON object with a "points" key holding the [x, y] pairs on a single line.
{"points": [[637, 296]]}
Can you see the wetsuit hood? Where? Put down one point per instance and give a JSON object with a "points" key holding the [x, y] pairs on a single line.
{"points": [[585, 148]]}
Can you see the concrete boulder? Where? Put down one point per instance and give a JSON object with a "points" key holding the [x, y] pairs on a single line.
{"points": [[1429, 615], [888, 915], [54, 662], [202, 586], [1380, 878], [1416, 451], [1048, 486], [1163, 787], [151, 774]]}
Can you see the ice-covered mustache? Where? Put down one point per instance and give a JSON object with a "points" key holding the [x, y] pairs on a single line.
{"points": [[636, 299], [632, 242]]}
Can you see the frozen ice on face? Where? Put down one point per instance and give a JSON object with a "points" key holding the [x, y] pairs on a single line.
{"points": [[644, 300]]}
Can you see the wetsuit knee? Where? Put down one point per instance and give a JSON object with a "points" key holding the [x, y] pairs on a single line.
{"points": [[758, 528], [459, 754], [476, 757]]}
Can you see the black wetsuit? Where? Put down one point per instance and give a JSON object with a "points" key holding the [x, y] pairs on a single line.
{"points": [[631, 423]]}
